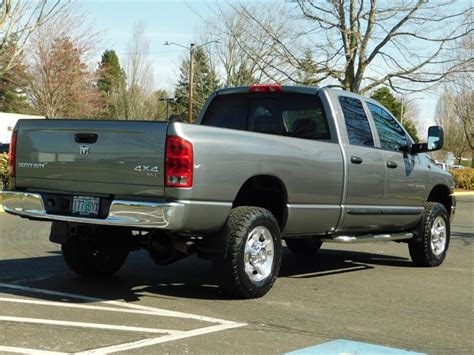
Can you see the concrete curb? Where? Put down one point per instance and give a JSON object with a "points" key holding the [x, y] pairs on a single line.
{"points": [[464, 193]]}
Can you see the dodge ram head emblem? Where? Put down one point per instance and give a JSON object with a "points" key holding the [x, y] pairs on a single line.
{"points": [[84, 150]]}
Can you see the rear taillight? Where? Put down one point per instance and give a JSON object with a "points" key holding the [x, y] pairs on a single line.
{"points": [[179, 162], [12, 155], [265, 88]]}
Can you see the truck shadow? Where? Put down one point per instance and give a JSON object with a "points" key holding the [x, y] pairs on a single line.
{"points": [[190, 278], [329, 262]]}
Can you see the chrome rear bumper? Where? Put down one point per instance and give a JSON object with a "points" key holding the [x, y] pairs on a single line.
{"points": [[122, 213]]}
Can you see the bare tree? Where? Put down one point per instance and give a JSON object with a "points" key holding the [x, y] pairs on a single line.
{"points": [[461, 89], [230, 56], [243, 44], [446, 116], [359, 45], [132, 102], [61, 83], [19, 20]]}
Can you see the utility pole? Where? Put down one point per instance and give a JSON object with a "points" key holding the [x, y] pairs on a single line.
{"points": [[191, 80], [192, 48]]}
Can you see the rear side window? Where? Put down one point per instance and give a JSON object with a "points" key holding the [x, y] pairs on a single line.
{"points": [[392, 136], [357, 124], [227, 111], [284, 114]]}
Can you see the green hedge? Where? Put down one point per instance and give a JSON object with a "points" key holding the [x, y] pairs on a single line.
{"points": [[4, 169], [463, 178]]}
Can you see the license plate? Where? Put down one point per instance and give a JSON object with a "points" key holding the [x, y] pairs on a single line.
{"points": [[85, 206]]}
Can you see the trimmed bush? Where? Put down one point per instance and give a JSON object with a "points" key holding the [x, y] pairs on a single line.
{"points": [[4, 169], [463, 178]]}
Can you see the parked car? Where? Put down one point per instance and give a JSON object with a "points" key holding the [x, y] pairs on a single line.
{"points": [[262, 164]]}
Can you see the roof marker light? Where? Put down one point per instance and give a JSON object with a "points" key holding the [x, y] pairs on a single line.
{"points": [[265, 88]]}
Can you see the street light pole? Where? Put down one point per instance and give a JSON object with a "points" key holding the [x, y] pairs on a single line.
{"points": [[191, 81], [192, 48]]}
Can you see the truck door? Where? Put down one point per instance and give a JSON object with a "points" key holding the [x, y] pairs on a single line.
{"points": [[406, 176], [365, 172]]}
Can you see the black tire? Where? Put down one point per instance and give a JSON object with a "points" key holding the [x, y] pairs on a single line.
{"points": [[249, 226], [85, 259], [426, 249], [304, 246]]}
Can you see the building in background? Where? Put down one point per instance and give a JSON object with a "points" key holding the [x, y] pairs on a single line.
{"points": [[8, 122]]}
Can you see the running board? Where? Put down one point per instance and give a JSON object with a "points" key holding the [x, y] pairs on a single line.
{"points": [[368, 238]]}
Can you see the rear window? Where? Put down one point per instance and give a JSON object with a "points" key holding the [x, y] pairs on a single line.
{"points": [[292, 115], [227, 111]]}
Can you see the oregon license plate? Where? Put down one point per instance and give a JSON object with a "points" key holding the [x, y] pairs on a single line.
{"points": [[85, 206]]}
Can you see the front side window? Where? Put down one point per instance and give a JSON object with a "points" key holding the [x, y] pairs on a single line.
{"points": [[392, 136], [357, 124]]}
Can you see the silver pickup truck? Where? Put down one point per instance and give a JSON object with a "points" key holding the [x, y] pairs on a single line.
{"points": [[263, 164]]}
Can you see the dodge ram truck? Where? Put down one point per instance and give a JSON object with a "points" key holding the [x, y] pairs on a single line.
{"points": [[262, 164]]}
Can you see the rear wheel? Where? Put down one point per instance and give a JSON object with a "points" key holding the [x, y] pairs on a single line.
{"points": [[304, 246], [85, 259], [429, 248], [252, 260]]}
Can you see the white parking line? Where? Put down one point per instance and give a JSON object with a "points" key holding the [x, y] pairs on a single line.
{"points": [[13, 349], [169, 335], [75, 305], [88, 325], [160, 340], [156, 311]]}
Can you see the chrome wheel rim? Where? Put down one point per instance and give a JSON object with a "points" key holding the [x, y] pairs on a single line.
{"points": [[259, 254], [438, 236]]}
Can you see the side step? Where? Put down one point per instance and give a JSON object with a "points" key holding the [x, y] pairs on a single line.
{"points": [[368, 238]]}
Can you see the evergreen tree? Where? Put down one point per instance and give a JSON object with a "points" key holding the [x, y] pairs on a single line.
{"points": [[112, 75], [386, 98], [12, 84], [241, 76], [111, 84], [205, 82], [307, 74]]}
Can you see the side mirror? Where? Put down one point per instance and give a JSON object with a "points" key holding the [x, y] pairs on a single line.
{"points": [[435, 141]]}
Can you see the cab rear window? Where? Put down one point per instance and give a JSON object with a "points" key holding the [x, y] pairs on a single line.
{"points": [[292, 115]]}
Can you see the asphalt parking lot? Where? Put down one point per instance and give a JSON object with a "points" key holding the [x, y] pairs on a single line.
{"points": [[368, 293]]}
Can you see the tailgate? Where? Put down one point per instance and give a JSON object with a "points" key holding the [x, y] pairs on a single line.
{"points": [[102, 157]]}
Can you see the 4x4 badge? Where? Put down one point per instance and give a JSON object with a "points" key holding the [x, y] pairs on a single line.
{"points": [[84, 150]]}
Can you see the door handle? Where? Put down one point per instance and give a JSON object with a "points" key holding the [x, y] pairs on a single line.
{"points": [[356, 160], [391, 164], [85, 138]]}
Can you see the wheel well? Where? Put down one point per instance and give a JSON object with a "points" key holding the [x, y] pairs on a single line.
{"points": [[264, 191], [441, 194]]}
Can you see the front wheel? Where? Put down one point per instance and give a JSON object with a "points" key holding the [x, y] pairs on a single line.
{"points": [[429, 248], [252, 260]]}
